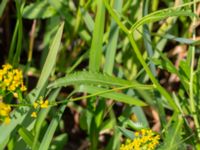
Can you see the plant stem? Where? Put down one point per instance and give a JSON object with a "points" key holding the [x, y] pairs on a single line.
{"points": [[140, 58], [191, 94], [151, 76]]}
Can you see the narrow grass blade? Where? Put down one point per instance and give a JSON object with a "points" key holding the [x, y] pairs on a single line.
{"points": [[41, 117], [97, 39], [112, 43], [16, 57], [13, 43], [88, 20], [179, 39], [51, 58], [3, 6], [47, 138], [26, 136]]}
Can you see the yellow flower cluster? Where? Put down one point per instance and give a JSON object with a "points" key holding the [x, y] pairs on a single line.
{"points": [[11, 79], [144, 140], [38, 105], [5, 112]]}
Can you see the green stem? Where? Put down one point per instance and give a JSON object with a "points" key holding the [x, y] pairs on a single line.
{"points": [[151, 76], [99, 93], [140, 58], [191, 94]]}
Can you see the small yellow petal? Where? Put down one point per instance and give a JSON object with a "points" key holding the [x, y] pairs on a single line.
{"points": [[23, 88], [34, 114], [45, 104], [35, 105], [7, 120], [15, 95]]}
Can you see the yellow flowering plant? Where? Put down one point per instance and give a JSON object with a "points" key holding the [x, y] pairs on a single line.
{"points": [[145, 139], [11, 81], [103, 69], [5, 110], [39, 104]]}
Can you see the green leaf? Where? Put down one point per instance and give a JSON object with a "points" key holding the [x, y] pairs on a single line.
{"points": [[85, 119], [26, 136], [46, 140], [128, 133], [51, 58], [112, 43], [129, 123], [172, 139], [85, 77], [111, 95], [59, 142], [2, 6], [179, 39], [161, 14], [97, 39], [38, 10], [164, 65], [41, 117], [46, 71], [88, 20]]}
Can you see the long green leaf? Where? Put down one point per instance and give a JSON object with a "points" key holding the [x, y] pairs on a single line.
{"points": [[97, 39], [51, 129], [41, 117], [2, 6], [47, 69], [111, 95], [51, 58], [112, 44], [26, 136], [85, 77]]}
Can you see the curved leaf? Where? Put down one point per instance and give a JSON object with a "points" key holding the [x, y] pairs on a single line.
{"points": [[38, 10], [161, 14], [94, 78]]}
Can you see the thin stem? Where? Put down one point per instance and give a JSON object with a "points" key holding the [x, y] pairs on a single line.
{"points": [[191, 94], [31, 43], [20, 104], [102, 92], [141, 59], [151, 76]]}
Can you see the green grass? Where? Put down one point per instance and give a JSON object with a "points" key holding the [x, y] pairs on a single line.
{"points": [[107, 69]]}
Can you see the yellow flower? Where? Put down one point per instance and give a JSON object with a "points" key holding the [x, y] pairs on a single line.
{"points": [[144, 139], [7, 120], [23, 88], [38, 104], [7, 67], [35, 105], [11, 79], [41, 101], [34, 114], [4, 109], [45, 104], [137, 133], [15, 95]]}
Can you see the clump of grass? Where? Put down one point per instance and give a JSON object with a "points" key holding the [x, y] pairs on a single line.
{"points": [[103, 64]]}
